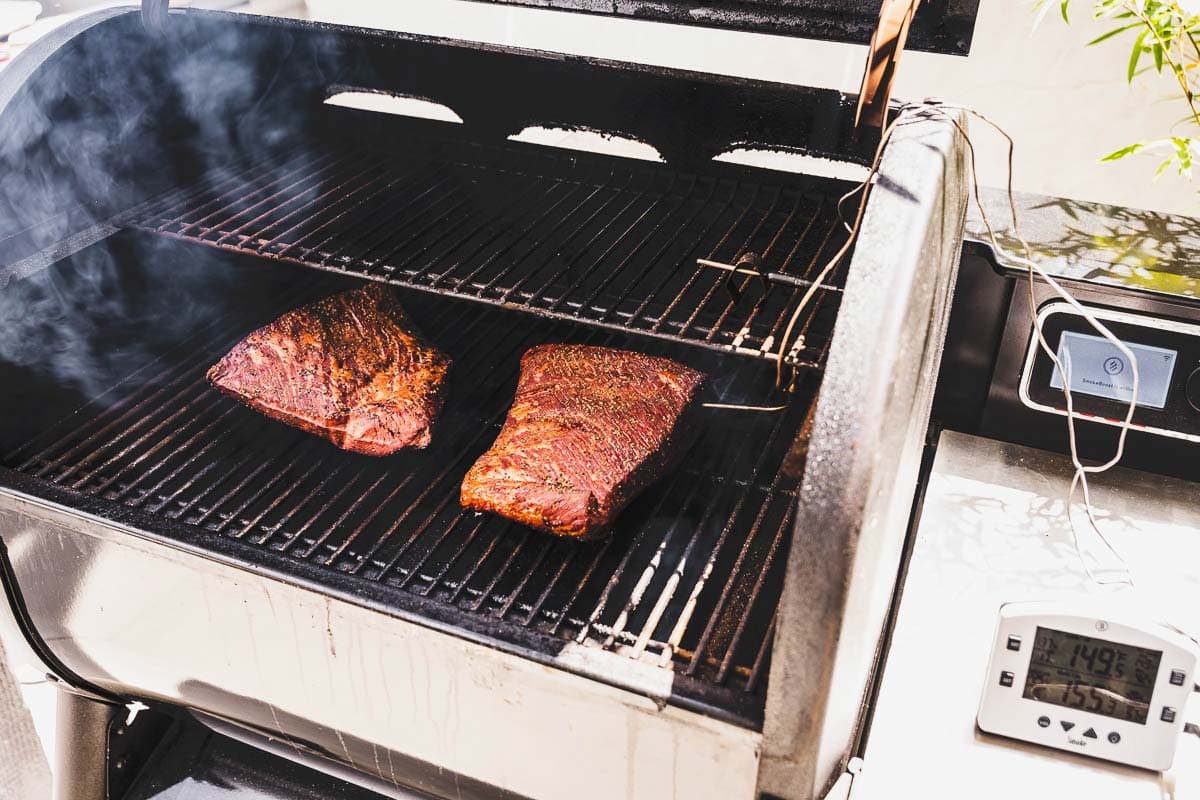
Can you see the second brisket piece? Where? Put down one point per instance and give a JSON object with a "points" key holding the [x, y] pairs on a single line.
{"points": [[589, 428]]}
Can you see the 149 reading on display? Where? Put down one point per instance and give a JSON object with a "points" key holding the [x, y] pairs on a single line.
{"points": [[1095, 675]]}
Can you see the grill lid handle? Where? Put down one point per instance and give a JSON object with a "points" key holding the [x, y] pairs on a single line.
{"points": [[883, 59], [154, 16]]}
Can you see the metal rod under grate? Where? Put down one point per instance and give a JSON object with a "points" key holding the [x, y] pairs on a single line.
{"points": [[608, 242]]}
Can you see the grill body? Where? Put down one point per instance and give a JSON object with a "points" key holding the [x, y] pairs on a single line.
{"points": [[162, 543]]}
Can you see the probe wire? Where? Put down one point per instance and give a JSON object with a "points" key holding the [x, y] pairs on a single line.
{"points": [[1079, 479]]}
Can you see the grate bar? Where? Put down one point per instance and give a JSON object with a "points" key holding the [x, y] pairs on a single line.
{"points": [[497, 232], [696, 276], [677, 575], [755, 593], [760, 659], [281, 197], [620, 268], [658, 256], [518, 285], [716, 284], [621, 237], [303, 454], [246, 192], [183, 197], [401, 485], [737, 568], [367, 237], [378, 188], [693, 600], [437, 579], [735, 292], [530, 571]]}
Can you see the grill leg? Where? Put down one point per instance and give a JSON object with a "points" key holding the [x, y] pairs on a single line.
{"points": [[81, 771]]}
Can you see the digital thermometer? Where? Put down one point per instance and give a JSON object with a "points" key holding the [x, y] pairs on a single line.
{"points": [[1081, 680]]}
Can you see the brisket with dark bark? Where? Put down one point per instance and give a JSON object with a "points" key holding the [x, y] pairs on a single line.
{"points": [[589, 429], [349, 368]]}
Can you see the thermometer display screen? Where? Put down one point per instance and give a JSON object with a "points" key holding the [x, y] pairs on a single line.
{"points": [[1096, 675], [1098, 368]]}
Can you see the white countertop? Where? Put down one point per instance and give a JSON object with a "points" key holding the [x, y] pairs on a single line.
{"points": [[993, 530]]}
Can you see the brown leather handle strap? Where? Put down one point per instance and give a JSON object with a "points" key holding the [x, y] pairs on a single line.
{"points": [[887, 45]]}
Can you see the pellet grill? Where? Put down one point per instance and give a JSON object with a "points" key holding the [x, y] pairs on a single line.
{"points": [[299, 621]]}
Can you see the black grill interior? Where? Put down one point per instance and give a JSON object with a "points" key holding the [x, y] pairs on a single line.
{"points": [[116, 409], [494, 247]]}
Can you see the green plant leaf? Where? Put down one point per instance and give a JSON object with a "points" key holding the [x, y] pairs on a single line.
{"points": [[1138, 49], [1115, 31], [1169, 33], [1128, 150]]}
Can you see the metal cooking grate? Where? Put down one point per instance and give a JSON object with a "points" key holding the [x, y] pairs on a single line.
{"points": [[690, 579], [609, 242]]}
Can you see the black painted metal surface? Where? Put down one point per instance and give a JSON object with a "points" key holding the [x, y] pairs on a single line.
{"points": [[941, 26], [193, 763]]}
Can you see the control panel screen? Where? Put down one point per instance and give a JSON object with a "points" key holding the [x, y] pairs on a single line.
{"points": [[1109, 678], [1098, 368]]}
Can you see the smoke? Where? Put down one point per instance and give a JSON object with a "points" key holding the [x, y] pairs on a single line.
{"points": [[94, 318], [113, 118]]}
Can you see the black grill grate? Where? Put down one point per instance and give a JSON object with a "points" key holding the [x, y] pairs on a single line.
{"points": [[690, 579], [612, 243]]}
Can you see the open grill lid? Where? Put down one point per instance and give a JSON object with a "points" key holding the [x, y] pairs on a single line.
{"points": [[941, 26]]}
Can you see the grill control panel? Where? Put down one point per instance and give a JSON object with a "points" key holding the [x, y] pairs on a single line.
{"points": [[1101, 380], [1090, 682]]}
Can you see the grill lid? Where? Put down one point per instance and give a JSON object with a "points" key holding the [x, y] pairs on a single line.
{"points": [[941, 26]]}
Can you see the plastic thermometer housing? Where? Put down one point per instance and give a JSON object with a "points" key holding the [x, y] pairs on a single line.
{"points": [[1089, 682]]}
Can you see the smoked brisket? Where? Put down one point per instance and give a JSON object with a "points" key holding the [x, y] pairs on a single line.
{"points": [[589, 429], [349, 368]]}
